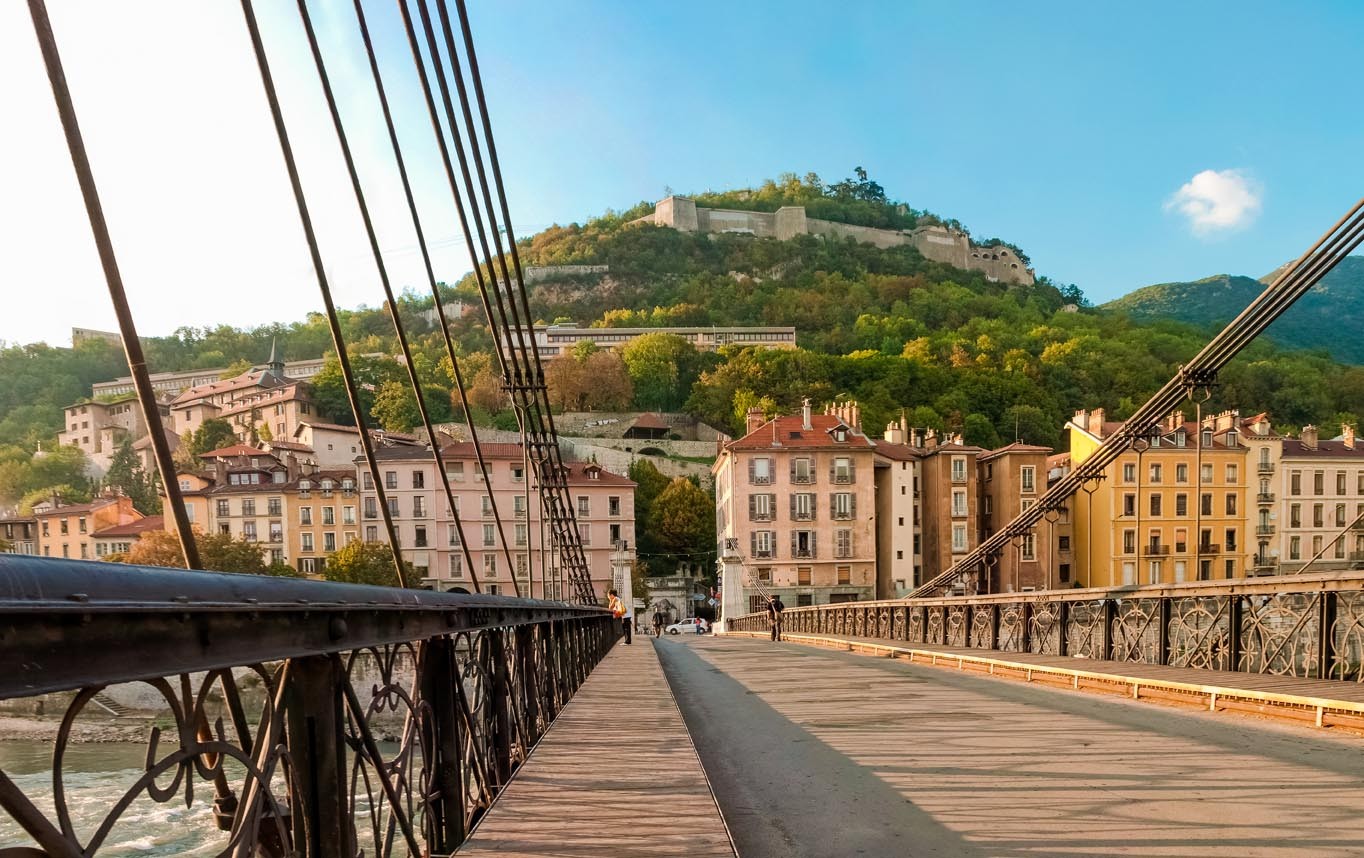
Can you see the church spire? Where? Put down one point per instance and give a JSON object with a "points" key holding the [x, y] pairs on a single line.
{"points": [[276, 364]]}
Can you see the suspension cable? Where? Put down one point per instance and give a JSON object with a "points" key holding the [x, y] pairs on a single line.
{"points": [[132, 346], [544, 425], [523, 384], [444, 150], [338, 339], [382, 267]]}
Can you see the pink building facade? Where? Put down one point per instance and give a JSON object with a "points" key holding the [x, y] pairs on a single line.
{"points": [[604, 504]]}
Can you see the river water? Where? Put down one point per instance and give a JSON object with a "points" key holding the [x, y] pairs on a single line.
{"points": [[97, 776]]}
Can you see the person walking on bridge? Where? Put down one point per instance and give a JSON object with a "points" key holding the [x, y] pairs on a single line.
{"points": [[658, 624], [619, 612], [774, 609]]}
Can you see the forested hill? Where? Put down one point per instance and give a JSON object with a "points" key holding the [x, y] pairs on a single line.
{"points": [[886, 327], [1319, 320]]}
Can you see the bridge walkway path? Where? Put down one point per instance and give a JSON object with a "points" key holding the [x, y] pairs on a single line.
{"points": [[615, 775], [1321, 702], [818, 752]]}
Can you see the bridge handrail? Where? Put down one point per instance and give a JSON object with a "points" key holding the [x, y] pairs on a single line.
{"points": [[294, 681], [133, 622], [1307, 626]]}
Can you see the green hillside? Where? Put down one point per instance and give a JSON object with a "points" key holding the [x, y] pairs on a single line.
{"points": [[1318, 321], [891, 329]]}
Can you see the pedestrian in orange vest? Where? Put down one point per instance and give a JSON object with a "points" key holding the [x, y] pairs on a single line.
{"points": [[618, 611]]}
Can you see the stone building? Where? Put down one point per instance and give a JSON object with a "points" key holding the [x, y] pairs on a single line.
{"points": [[19, 534], [257, 403], [936, 242]]}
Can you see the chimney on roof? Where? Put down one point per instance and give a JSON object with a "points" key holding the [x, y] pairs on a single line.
{"points": [[1347, 435], [1176, 420], [291, 466], [755, 419], [894, 434], [1096, 422], [220, 471], [930, 438], [805, 414], [1309, 437]]}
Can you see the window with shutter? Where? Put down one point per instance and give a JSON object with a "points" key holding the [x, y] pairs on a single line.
{"points": [[752, 507]]}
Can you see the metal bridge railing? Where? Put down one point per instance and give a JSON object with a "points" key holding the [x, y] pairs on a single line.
{"points": [[1308, 626], [279, 692]]}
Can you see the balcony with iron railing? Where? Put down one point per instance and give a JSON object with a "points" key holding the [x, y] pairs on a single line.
{"points": [[1264, 497], [1210, 548], [1264, 530], [1157, 550], [1265, 468]]}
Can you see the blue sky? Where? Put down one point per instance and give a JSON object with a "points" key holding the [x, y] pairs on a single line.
{"points": [[1067, 128]]}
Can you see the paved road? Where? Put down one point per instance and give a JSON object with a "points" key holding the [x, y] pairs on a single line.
{"points": [[826, 754]]}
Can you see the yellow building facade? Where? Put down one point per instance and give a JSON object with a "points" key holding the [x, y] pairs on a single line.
{"points": [[1172, 509]]}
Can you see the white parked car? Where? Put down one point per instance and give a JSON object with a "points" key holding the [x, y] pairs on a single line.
{"points": [[688, 627]]}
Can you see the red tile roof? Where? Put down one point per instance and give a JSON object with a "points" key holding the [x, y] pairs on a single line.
{"points": [[1294, 448], [135, 528], [71, 509], [650, 421], [578, 476], [1016, 447], [789, 433], [234, 450], [898, 452]]}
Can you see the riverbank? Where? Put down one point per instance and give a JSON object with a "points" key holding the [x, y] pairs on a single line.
{"points": [[84, 730]]}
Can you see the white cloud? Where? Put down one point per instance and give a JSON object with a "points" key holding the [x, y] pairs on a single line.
{"points": [[1217, 201]]}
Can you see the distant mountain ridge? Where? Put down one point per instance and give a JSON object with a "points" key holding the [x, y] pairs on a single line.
{"points": [[1325, 318]]}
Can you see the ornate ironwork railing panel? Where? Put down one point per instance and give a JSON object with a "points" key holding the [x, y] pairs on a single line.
{"points": [[1137, 631], [1199, 632], [1085, 629], [1281, 634], [309, 718], [1046, 627], [1347, 638], [1013, 627]]}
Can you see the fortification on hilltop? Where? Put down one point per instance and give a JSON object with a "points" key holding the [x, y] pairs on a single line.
{"points": [[935, 242]]}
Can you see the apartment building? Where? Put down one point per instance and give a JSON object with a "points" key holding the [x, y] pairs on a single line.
{"points": [[1011, 480], [1174, 508], [899, 536], [119, 539], [98, 428], [19, 534], [68, 530], [949, 499], [1311, 495], [259, 402], [797, 492], [430, 536]]}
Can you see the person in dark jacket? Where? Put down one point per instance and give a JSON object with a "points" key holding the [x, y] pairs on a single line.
{"points": [[774, 609]]}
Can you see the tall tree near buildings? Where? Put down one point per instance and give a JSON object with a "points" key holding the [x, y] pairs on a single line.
{"points": [[682, 519], [362, 563], [125, 475], [213, 434], [662, 368], [649, 484]]}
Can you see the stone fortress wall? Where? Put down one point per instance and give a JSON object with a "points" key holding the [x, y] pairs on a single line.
{"points": [[935, 242]]}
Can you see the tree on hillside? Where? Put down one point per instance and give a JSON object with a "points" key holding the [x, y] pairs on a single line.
{"points": [[213, 434], [589, 380], [370, 373], [682, 519], [363, 563], [125, 475], [662, 368]]}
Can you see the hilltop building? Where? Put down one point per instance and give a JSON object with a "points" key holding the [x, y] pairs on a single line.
{"points": [[935, 242], [554, 340], [259, 403]]}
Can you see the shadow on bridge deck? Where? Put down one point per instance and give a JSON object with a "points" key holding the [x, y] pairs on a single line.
{"points": [[823, 753]]}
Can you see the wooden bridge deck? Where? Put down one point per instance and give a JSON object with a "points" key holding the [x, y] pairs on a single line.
{"points": [[615, 775], [1322, 702]]}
